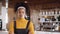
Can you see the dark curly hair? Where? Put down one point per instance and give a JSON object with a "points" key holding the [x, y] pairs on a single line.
{"points": [[21, 4]]}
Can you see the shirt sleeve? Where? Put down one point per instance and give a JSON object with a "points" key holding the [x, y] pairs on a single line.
{"points": [[31, 28], [11, 27]]}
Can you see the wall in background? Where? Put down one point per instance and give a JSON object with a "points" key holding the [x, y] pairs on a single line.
{"points": [[10, 14]]}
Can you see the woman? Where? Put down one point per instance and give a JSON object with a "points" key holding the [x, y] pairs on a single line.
{"points": [[21, 25]]}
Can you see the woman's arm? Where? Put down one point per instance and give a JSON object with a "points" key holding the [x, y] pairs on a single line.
{"points": [[11, 32], [31, 28], [11, 28]]}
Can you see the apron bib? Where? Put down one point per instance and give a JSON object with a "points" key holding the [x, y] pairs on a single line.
{"points": [[21, 31]]}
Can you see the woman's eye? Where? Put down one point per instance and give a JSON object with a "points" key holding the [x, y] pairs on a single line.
{"points": [[19, 12]]}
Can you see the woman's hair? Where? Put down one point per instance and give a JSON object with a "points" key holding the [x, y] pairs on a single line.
{"points": [[21, 4]]}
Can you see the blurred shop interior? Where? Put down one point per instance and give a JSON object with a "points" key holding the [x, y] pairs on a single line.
{"points": [[45, 14]]}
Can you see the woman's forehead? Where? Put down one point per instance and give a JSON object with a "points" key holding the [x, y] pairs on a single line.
{"points": [[21, 10]]}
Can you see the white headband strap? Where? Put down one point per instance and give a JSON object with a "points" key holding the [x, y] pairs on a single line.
{"points": [[21, 7]]}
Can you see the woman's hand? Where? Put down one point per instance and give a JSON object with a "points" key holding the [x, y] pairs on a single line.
{"points": [[11, 32], [30, 32]]}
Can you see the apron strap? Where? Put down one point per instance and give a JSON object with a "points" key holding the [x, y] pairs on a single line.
{"points": [[14, 26], [27, 24]]}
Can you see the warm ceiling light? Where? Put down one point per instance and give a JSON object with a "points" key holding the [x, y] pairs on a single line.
{"points": [[25, 1], [45, 16]]}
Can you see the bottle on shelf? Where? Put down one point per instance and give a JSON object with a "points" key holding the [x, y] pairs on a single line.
{"points": [[52, 13], [59, 12], [56, 12], [46, 13]]}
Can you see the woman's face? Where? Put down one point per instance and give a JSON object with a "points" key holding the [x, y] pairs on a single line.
{"points": [[21, 13]]}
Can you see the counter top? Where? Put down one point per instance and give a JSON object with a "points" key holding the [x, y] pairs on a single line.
{"points": [[36, 32], [3, 32], [45, 32]]}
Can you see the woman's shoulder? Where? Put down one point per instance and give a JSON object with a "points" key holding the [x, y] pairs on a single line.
{"points": [[11, 22], [30, 21]]}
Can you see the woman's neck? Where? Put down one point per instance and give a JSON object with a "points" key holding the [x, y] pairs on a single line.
{"points": [[21, 18]]}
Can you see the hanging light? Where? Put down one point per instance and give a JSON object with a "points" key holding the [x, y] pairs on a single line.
{"points": [[45, 16], [25, 2]]}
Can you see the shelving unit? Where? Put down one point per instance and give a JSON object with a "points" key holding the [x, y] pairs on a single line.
{"points": [[49, 12], [49, 26]]}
